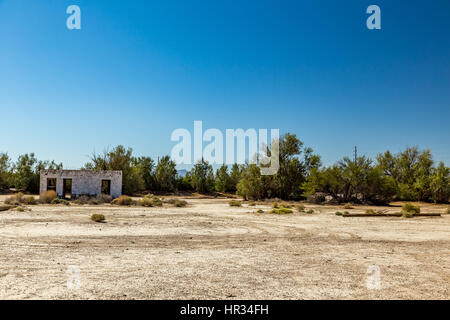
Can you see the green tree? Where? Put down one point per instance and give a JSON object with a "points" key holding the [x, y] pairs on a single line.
{"points": [[202, 177], [165, 174], [235, 176], [145, 166], [440, 184], [296, 162], [222, 181], [24, 172], [352, 180], [251, 185], [5, 174], [411, 171]]}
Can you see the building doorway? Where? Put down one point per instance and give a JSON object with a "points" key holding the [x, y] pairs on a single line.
{"points": [[67, 188], [106, 187]]}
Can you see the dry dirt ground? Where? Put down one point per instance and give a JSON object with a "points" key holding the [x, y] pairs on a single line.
{"points": [[210, 250]]}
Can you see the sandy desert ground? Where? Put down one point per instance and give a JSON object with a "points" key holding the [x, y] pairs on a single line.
{"points": [[210, 250]]}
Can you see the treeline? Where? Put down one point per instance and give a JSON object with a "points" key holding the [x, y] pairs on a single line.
{"points": [[410, 175], [24, 173]]}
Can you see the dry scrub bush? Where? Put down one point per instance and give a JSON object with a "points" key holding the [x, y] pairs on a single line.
{"points": [[300, 208], [235, 203], [82, 200], [47, 196], [448, 210], [338, 213], [98, 217], [348, 206], [260, 211], [100, 199], [123, 201], [282, 210], [157, 202], [60, 201], [310, 211], [275, 205], [29, 200], [19, 198], [180, 203], [252, 204], [145, 202], [152, 201], [408, 210], [15, 199]]}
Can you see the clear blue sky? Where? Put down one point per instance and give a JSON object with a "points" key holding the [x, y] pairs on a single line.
{"points": [[137, 70]]}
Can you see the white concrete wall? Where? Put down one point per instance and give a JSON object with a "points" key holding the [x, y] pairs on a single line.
{"points": [[84, 182]]}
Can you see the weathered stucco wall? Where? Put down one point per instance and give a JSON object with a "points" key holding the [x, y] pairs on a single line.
{"points": [[84, 182]]}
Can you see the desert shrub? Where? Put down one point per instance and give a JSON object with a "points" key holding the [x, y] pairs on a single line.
{"points": [[408, 210], [448, 210], [286, 205], [157, 202], [300, 208], [409, 207], [98, 217], [407, 214], [170, 201], [235, 203], [47, 196], [370, 211], [60, 201], [15, 199], [346, 212], [93, 201], [260, 211], [275, 205], [310, 211], [282, 210], [19, 198], [123, 201], [103, 198], [29, 200], [82, 200], [20, 209], [98, 199], [348, 206], [145, 202], [338, 213], [180, 203], [252, 204], [152, 201]]}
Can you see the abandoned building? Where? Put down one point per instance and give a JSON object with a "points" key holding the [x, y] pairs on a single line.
{"points": [[75, 183]]}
